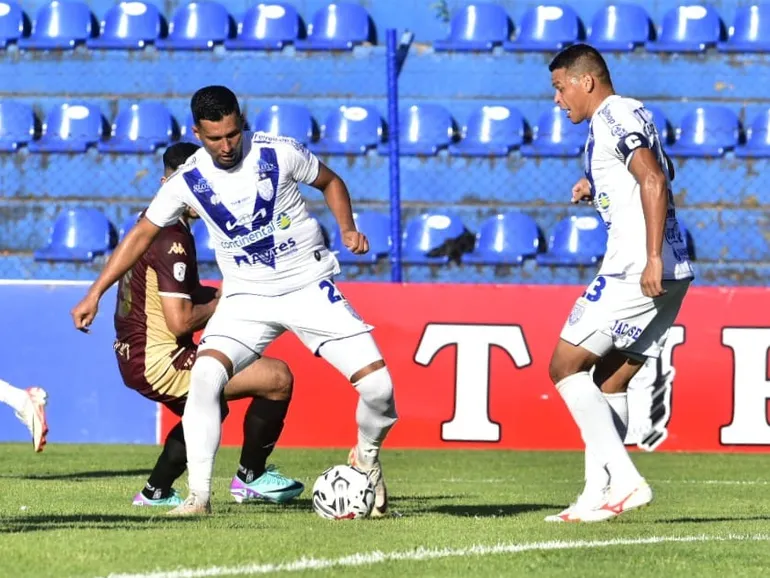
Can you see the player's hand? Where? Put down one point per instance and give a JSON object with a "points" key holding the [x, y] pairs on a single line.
{"points": [[652, 278], [356, 242], [581, 191], [83, 313]]}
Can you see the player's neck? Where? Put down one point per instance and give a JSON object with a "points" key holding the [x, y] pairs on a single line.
{"points": [[598, 96]]}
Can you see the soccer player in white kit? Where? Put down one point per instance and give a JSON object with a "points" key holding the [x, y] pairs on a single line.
{"points": [[625, 314], [277, 275]]}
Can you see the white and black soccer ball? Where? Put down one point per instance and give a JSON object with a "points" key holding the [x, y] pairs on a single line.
{"points": [[343, 493]]}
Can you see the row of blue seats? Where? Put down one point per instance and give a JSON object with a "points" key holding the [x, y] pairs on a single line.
{"points": [[199, 25], [707, 131], [478, 26], [80, 234]]}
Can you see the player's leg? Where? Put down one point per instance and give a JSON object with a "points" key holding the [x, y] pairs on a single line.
{"points": [[230, 342], [29, 406], [326, 323], [585, 339], [360, 361], [269, 383]]}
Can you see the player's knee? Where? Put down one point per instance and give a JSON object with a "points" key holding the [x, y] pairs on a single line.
{"points": [[376, 390], [560, 368], [283, 383], [207, 380]]}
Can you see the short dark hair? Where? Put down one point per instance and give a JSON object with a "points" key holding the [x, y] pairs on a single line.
{"points": [[213, 103], [582, 58], [176, 155]]}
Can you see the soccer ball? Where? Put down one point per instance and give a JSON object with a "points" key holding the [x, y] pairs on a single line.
{"points": [[343, 493]]}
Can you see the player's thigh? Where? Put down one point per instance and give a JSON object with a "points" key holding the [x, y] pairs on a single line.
{"points": [[240, 329], [653, 337], [266, 377], [615, 370], [320, 314], [354, 357]]}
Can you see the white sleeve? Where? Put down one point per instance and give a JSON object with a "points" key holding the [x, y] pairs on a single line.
{"points": [[303, 166], [167, 206]]}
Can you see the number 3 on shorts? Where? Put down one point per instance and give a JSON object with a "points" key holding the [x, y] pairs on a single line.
{"points": [[331, 291], [594, 291]]}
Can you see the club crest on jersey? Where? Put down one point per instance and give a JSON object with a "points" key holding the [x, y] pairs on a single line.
{"points": [[576, 314], [602, 201]]}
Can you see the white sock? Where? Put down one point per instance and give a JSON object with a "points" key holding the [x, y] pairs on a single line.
{"points": [[597, 476], [375, 413], [202, 423], [593, 416], [13, 396]]}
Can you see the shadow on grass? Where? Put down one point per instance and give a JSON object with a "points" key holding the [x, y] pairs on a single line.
{"points": [[86, 522]]}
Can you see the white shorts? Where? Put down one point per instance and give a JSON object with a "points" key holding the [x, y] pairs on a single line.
{"points": [[614, 314], [243, 325]]}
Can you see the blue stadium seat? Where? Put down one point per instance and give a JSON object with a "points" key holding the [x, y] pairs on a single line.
{"points": [[78, 234], [204, 244], [376, 227], [428, 232], [480, 26], [130, 25], [267, 26], [556, 136], [576, 241], [14, 23], [547, 28], [505, 239], [17, 125], [71, 127], [424, 129], [292, 120], [620, 27], [60, 25], [491, 131], [198, 25], [338, 26], [750, 31], [707, 131], [689, 28], [128, 224], [141, 128], [350, 130], [757, 138]]}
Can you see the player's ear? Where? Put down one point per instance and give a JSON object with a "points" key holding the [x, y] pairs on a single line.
{"points": [[588, 82], [162, 180]]}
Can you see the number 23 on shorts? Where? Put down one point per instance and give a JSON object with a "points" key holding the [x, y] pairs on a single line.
{"points": [[594, 291], [331, 291]]}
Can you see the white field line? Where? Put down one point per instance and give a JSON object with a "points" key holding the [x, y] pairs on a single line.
{"points": [[652, 481], [421, 554]]}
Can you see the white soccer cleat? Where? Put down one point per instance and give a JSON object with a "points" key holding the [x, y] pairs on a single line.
{"points": [[374, 471], [192, 506], [619, 502], [585, 503], [33, 416]]}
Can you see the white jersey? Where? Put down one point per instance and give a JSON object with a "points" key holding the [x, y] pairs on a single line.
{"points": [[618, 128], [266, 242]]}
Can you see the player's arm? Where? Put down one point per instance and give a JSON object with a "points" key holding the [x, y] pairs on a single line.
{"points": [[126, 254], [654, 192], [338, 200], [183, 317], [186, 306]]}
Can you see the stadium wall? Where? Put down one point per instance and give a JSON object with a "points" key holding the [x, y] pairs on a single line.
{"points": [[470, 370]]}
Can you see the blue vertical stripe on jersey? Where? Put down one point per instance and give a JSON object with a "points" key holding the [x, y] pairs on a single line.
{"points": [[263, 249]]}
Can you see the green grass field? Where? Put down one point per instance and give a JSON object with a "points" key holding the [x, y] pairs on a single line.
{"points": [[67, 513]]}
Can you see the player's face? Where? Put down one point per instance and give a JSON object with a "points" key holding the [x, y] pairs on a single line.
{"points": [[569, 95], [191, 213], [222, 139]]}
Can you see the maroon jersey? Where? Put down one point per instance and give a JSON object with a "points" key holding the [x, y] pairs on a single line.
{"points": [[149, 355]]}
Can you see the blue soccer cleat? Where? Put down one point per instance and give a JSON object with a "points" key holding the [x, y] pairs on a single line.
{"points": [[269, 487], [173, 499]]}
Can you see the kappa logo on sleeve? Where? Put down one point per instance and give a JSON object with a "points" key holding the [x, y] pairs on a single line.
{"points": [[177, 249]]}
